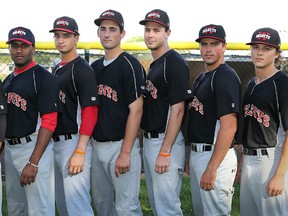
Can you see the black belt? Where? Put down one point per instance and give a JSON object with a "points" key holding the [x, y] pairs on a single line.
{"points": [[151, 134], [204, 148], [254, 152], [56, 138], [16, 141]]}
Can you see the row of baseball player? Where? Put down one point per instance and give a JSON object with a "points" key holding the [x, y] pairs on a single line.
{"points": [[76, 129]]}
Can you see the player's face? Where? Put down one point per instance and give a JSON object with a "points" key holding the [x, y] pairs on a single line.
{"points": [[110, 34], [21, 53], [263, 55], [155, 35], [212, 51], [65, 42]]}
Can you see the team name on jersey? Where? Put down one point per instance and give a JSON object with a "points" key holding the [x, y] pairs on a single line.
{"points": [[253, 111], [197, 105], [108, 92], [16, 99], [62, 97], [151, 89]]}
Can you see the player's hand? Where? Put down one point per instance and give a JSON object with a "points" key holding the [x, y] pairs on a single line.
{"points": [[122, 164], [28, 174], [275, 186], [2, 145], [208, 180], [162, 164], [187, 167], [239, 170], [238, 149], [76, 164]]}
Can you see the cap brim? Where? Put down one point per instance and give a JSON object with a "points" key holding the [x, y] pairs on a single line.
{"points": [[99, 20], [216, 38], [19, 39], [143, 22], [252, 43], [65, 30]]}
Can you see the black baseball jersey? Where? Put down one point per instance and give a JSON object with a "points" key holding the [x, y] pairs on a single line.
{"points": [[167, 84], [29, 94], [78, 89], [3, 107], [119, 84], [266, 112], [215, 93], [3, 112]]}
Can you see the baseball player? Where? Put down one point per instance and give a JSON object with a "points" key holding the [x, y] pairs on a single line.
{"points": [[116, 161], [3, 122], [212, 124], [264, 179], [79, 100], [32, 97], [163, 143]]}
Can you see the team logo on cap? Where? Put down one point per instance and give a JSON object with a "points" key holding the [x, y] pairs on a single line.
{"points": [[62, 22], [154, 15], [263, 36], [209, 30], [108, 13], [20, 32]]}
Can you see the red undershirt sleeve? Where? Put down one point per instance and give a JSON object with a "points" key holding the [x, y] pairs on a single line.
{"points": [[89, 117], [49, 121]]}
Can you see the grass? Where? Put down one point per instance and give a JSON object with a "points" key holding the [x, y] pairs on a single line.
{"points": [[186, 202]]}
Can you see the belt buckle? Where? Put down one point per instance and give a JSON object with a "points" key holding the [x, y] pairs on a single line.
{"points": [[151, 135], [56, 138], [16, 141], [246, 151], [67, 136]]}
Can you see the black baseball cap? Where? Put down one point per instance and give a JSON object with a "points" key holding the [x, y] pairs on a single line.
{"points": [[21, 34], [266, 36], [212, 31], [111, 15], [158, 16], [66, 24]]}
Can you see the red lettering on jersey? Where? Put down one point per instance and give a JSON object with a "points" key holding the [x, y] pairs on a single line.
{"points": [[108, 92], [247, 111], [198, 106], [62, 96], [114, 96], [266, 120], [151, 88], [100, 89], [23, 105], [9, 97], [259, 115], [16, 99]]}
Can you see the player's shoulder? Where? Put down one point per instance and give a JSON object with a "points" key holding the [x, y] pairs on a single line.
{"points": [[126, 57], [97, 62], [281, 78], [80, 65], [226, 69], [42, 71]]}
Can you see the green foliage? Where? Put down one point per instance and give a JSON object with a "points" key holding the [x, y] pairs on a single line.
{"points": [[135, 39]]}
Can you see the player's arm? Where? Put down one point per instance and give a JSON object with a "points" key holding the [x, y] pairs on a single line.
{"points": [[132, 126], [173, 128], [276, 185], [46, 130], [3, 124], [228, 127], [89, 117]]}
